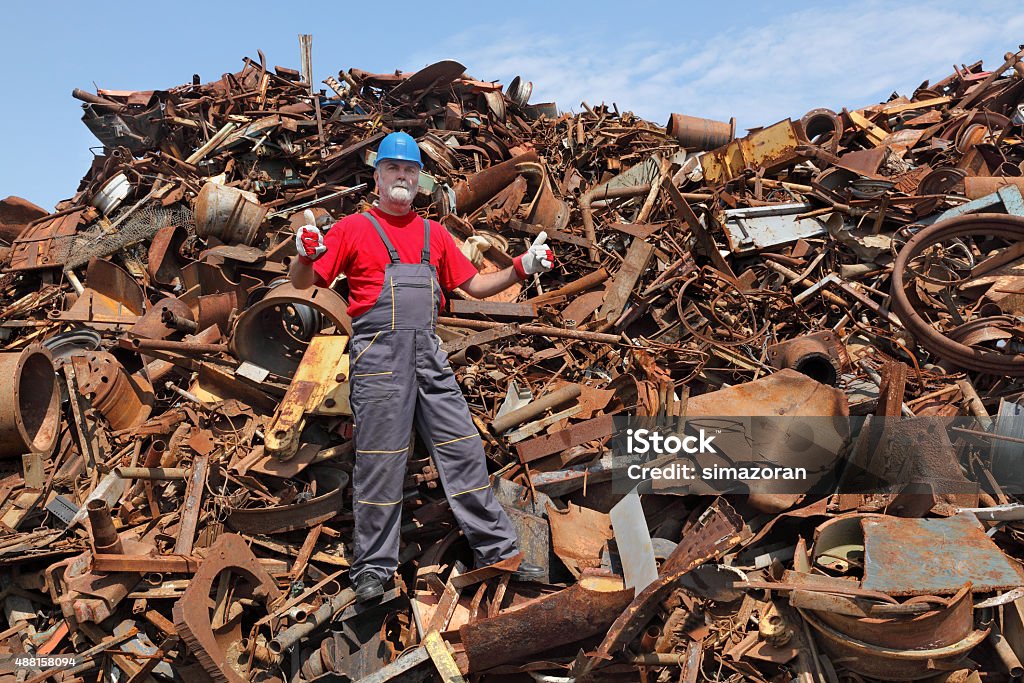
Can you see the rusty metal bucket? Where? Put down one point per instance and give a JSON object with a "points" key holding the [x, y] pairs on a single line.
{"points": [[231, 215]]}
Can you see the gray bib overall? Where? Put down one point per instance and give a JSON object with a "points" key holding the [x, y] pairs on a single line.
{"points": [[401, 377]]}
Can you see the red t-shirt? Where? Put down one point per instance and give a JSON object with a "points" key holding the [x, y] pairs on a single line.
{"points": [[355, 249]]}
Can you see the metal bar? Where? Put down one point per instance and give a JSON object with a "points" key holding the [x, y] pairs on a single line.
{"points": [[191, 507], [540, 330], [597, 428]]}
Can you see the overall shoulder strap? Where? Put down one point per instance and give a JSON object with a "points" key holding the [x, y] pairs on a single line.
{"points": [[380, 231], [425, 254]]}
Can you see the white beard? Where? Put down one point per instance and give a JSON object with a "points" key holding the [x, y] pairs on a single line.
{"points": [[400, 194]]}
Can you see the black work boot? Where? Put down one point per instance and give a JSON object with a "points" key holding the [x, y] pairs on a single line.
{"points": [[368, 586], [528, 572]]}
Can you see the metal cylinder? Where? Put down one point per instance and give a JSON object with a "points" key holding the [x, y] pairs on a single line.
{"points": [[159, 473], [471, 355], [101, 526], [810, 356], [182, 347], [293, 634], [697, 134], [823, 127], [229, 214], [30, 418], [535, 408]]}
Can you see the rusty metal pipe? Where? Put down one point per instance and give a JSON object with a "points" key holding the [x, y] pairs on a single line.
{"points": [[182, 324], [30, 415], [156, 370], [157, 473], [164, 345], [575, 287], [293, 634], [542, 330], [535, 408], [1006, 653], [101, 526], [98, 100], [471, 355]]}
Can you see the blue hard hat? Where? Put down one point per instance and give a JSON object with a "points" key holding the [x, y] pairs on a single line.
{"points": [[399, 146]]}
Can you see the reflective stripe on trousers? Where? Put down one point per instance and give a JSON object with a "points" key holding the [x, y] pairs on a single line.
{"points": [[399, 378]]}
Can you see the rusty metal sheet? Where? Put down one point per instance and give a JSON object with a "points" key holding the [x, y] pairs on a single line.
{"points": [[622, 284], [933, 556], [771, 148], [578, 535], [597, 428], [43, 244]]}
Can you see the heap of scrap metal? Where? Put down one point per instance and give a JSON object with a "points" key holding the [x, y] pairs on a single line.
{"points": [[177, 437]]}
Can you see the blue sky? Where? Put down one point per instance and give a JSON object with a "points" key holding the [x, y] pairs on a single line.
{"points": [[757, 61]]}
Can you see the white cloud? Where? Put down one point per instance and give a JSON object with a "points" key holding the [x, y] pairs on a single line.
{"points": [[848, 56]]}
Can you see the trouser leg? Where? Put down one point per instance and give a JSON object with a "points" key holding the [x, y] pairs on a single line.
{"points": [[382, 410], [445, 425]]}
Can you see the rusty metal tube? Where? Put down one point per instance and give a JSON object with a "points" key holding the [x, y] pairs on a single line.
{"points": [[471, 355], [589, 280], [1006, 653], [542, 330], [293, 634], [180, 347], [535, 408], [158, 369], [180, 323], [158, 473], [695, 133], [474, 191], [101, 526], [30, 416]]}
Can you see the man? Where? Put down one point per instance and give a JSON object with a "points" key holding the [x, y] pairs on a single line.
{"points": [[397, 265]]}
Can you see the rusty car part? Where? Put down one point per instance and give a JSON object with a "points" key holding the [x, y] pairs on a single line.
{"points": [[268, 334], [322, 370], [103, 380]]}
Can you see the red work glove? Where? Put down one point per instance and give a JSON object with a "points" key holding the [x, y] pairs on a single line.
{"points": [[309, 241], [539, 258]]}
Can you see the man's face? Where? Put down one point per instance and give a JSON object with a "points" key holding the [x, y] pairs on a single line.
{"points": [[397, 180]]}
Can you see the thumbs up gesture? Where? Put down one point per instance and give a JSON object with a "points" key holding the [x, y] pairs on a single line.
{"points": [[539, 258], [309, 241]]}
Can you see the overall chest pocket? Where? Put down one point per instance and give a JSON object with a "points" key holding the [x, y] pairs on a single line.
{"points": [[372, 367]]}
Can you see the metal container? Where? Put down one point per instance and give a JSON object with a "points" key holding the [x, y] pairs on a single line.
{"points": [[231, 215], [699, 134], [30, 420], [111, 194]]}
